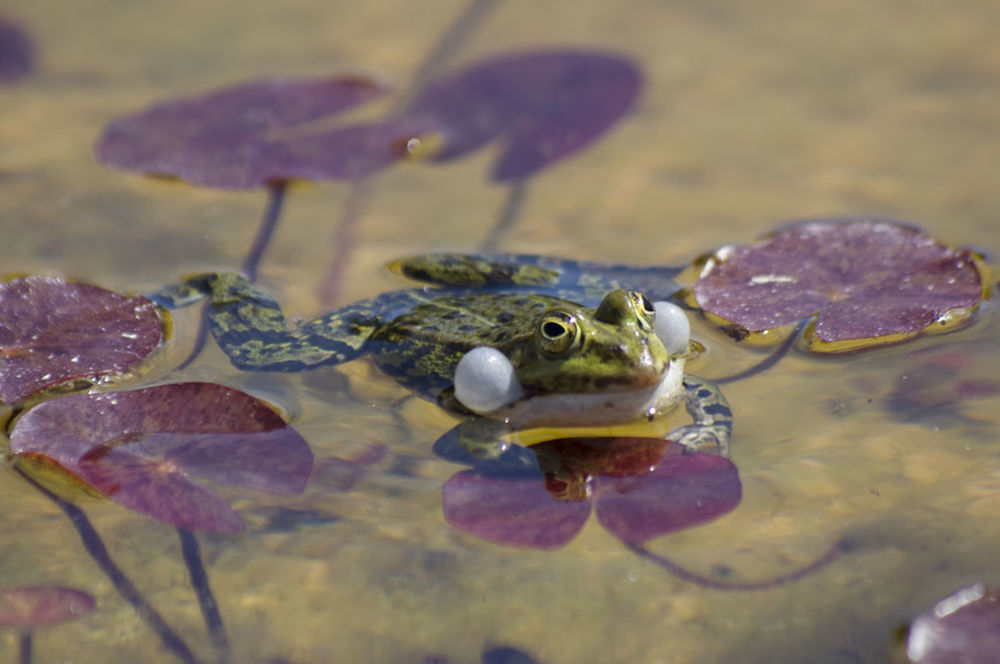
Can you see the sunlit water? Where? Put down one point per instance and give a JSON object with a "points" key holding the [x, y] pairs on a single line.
{"points": [[753, 114]]}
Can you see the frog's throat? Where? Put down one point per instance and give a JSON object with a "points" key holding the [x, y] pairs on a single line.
{"points": [[583, 409]]}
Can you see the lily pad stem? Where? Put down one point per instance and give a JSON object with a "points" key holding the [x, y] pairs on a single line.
{"points": [[275, 201], [99, 553], [24, 647], [202, 589], [768, 361], [833, 553], [509, 213], [450, 43]]}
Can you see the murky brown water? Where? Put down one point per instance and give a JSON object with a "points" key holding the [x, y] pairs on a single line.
{"points": [[754, 114]]}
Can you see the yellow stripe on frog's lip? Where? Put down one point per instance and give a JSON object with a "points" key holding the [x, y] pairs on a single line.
{"points": [[597, 408]]}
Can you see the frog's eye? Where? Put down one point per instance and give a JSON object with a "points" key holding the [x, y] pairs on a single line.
{"points": [[557, 333], [644, 308]]}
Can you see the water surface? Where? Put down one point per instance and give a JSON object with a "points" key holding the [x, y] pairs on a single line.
{"points": [[753, 114]]}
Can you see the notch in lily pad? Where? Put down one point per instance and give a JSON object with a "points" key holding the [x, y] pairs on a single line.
{"points": [[862, 282], [640, 488], [29, 607], [53, 331], [544, 105]]}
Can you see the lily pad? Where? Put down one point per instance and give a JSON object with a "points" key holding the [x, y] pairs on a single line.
{"points": [[867, 281], [682, 491], [33, 606], [256, 134], [511, 511], [52, 331], [964, 627], [641, 488], [546, 104], [17, 52], [150, 449]]}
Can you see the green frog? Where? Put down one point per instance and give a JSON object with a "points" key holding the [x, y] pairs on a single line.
{"points": [[506, 348]]}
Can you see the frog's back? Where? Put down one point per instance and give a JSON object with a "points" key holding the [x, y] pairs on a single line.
{"points": [[421, 348]]}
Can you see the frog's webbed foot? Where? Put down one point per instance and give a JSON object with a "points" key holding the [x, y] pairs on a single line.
{"points": [[478, 442], [713, 419], [482, 438], [695, 438]]}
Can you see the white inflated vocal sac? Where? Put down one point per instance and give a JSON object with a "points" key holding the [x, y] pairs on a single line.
{"points": [[671, 325], [485, 380]]}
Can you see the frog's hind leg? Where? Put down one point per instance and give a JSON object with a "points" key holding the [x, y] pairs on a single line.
{"points": [[713, 419], [249, 326]]}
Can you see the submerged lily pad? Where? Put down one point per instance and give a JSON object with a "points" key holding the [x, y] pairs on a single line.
{"points": [[255, 134], [546, 104], [17, 52], [52, 331], [148, 449], [33, 606], [867, 281]]}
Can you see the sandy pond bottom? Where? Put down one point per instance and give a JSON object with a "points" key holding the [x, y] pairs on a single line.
{"points": [[752, 115]]}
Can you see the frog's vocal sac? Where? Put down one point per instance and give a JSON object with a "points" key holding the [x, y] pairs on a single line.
{"points": [[504, 360]]}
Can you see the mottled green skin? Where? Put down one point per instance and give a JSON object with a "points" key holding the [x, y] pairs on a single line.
{"points": [[617, 348], [421, 347], [419, 335]]}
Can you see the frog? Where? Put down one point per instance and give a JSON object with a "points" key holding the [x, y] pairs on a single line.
{"points": [[503, 343]]}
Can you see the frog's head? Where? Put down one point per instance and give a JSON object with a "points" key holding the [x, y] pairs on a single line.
{"points": [[578, 365]]}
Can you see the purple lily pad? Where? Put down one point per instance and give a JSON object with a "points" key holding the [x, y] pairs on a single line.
{"points": [[868, 281], [33, 606], [17, 52], [962, 628], [147, 449], [252, 135], [52, 331], [635, 500], [512, 512], [547, 104], [684, 490]]}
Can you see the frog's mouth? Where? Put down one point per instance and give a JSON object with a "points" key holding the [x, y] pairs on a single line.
{"points": [[584, 409], [487, 385]]}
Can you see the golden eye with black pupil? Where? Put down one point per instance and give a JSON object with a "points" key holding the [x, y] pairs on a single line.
{"points": [[557, 333], [644, 309]]}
